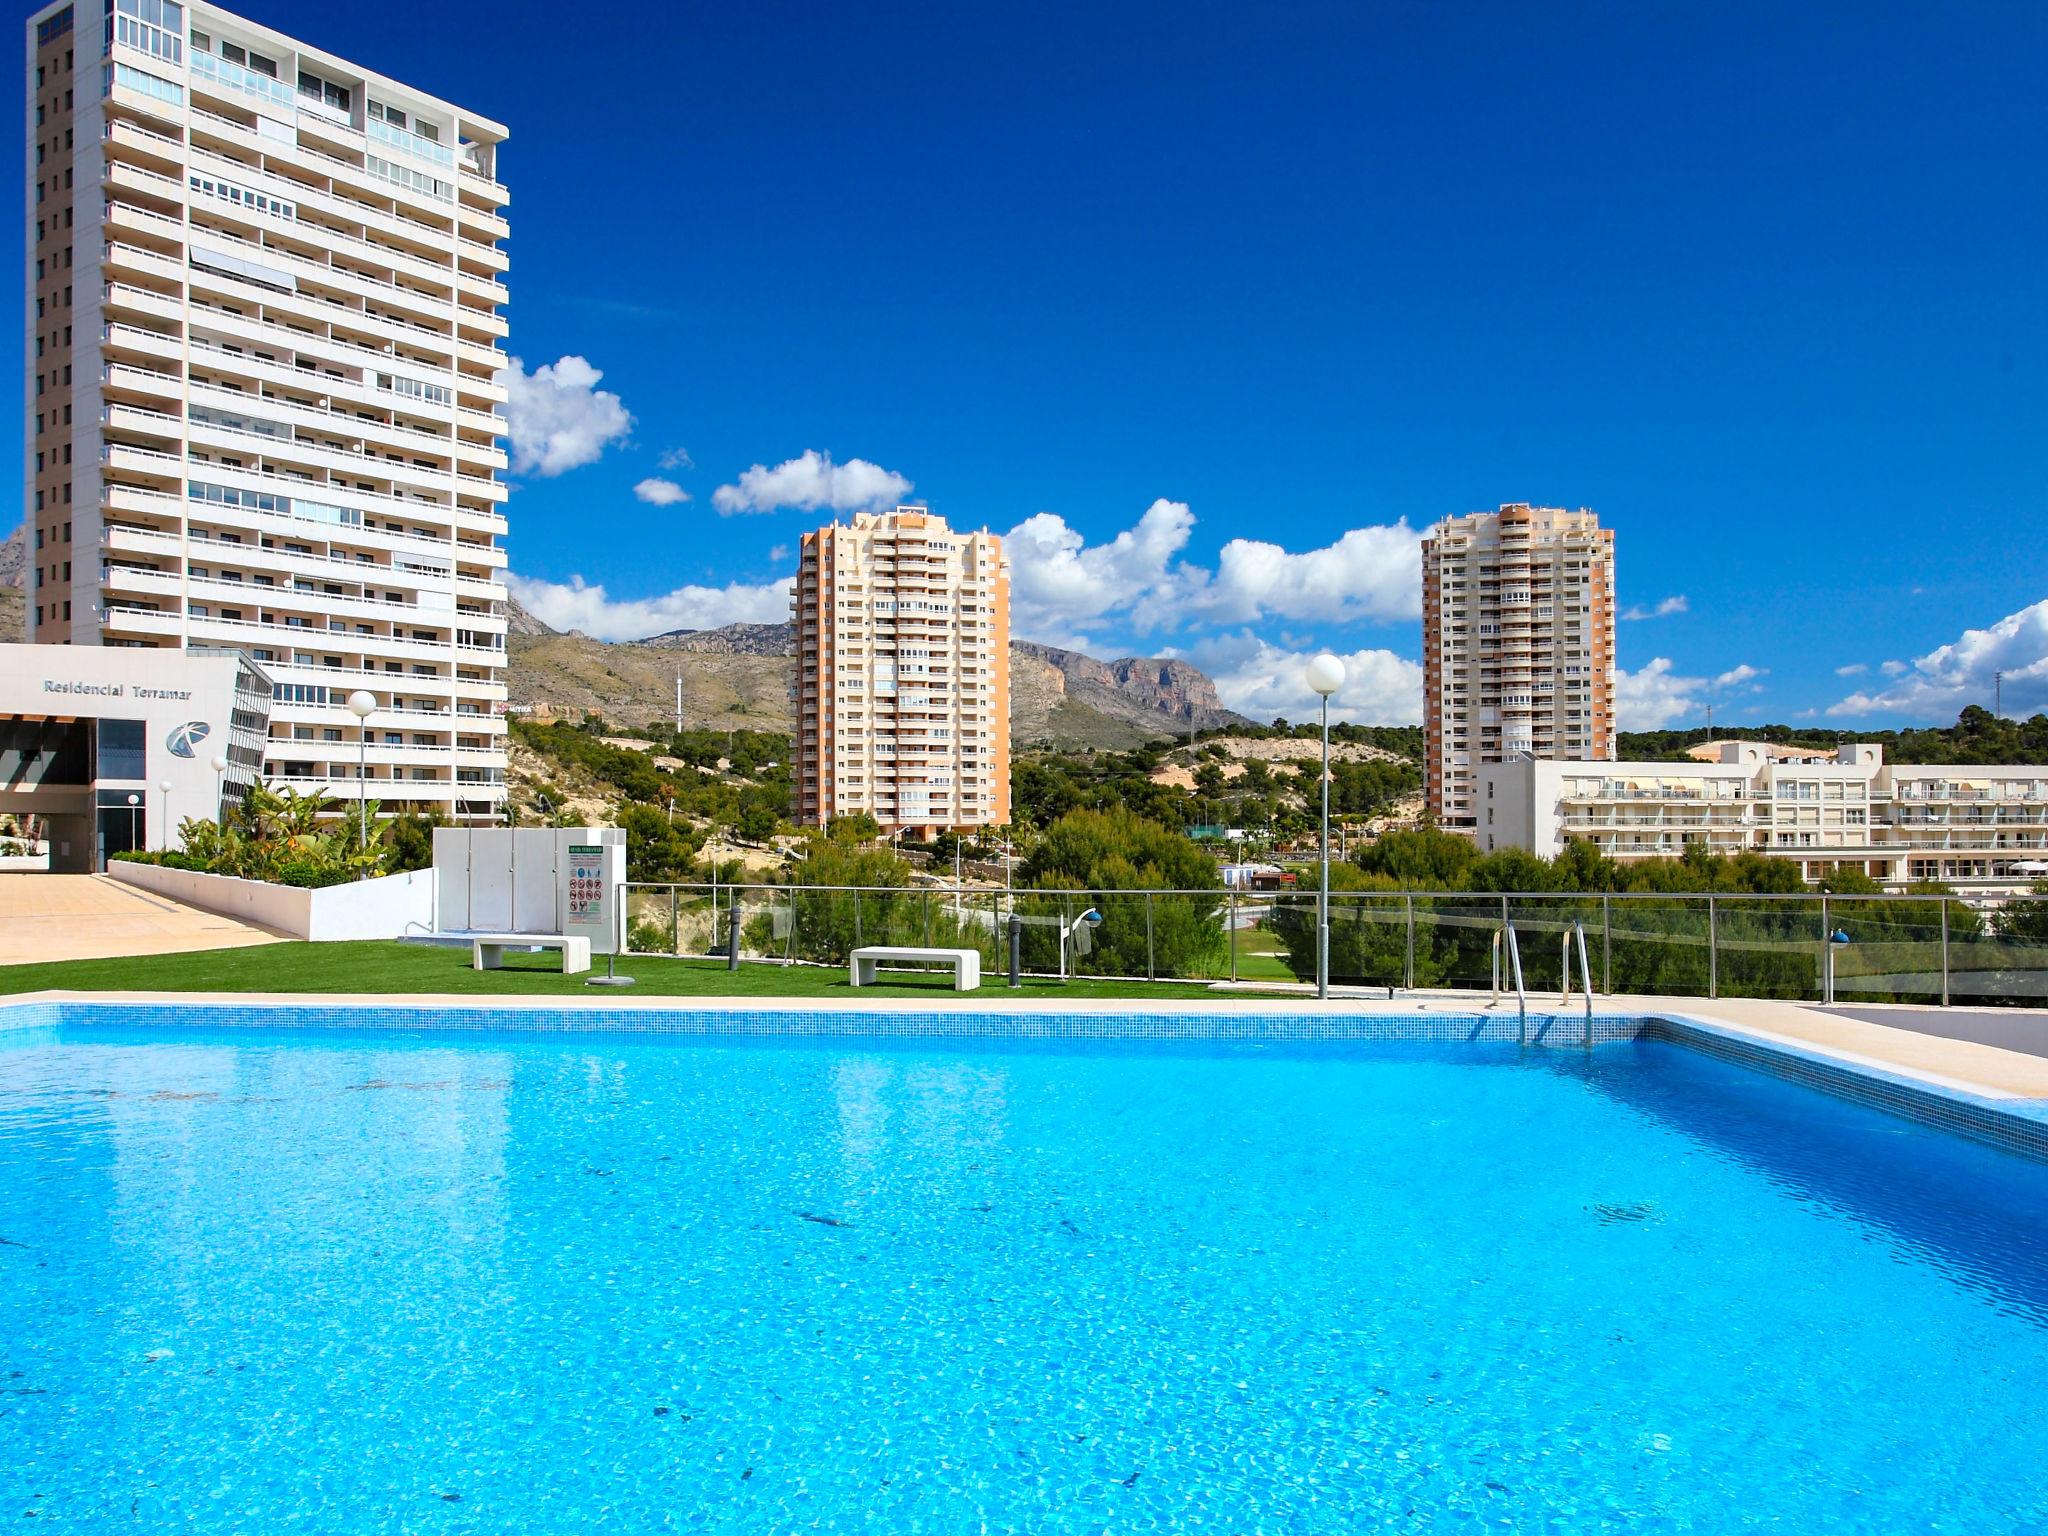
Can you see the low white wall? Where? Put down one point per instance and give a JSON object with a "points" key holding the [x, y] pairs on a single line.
{"points": [[281, 908], [385, 908], [390, 907]]}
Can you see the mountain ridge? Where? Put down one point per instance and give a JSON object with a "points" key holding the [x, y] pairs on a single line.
{"points": [[738, 675]]}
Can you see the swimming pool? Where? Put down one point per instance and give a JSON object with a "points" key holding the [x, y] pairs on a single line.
{"points": [[381, 1280]]}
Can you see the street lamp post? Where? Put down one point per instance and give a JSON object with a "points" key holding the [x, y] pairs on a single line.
{"points": [[163, 787], [220, 790], [1325, 675], [362, 704], [134, 821]]}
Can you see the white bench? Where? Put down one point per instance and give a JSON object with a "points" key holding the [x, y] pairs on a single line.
{"points": [[487, 950], [966, 963]]}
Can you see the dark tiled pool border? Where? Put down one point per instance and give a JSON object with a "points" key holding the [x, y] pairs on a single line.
{"points": [[2013, 1125]]}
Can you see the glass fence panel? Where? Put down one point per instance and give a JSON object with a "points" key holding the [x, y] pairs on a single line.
{"points": [[767, 919], [1894, 953], [2003, 957], [1766, 948], [1454, 941], [1368, 942], [1657, 946], [649, 926], [1911, 948]]}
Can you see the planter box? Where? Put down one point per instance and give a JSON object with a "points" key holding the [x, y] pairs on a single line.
{"points": [[390, 907]]}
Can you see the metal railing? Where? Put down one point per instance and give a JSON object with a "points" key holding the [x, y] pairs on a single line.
{"points": [[1923, 949]]}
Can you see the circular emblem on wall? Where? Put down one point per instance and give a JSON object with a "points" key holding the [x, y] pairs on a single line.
{"points": [[187, 736]]}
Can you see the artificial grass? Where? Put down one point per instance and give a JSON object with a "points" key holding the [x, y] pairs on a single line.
{"points": [[402, 969]]}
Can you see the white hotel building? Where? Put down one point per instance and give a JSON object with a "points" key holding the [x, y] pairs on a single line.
{"points": [[1976, 828], [262, 400]]}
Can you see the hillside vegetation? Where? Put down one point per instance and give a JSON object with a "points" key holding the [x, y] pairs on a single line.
{"points": [[1978, 736]]}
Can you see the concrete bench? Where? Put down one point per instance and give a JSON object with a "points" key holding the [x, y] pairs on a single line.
{"points": [[487, 950], [966, 963]]}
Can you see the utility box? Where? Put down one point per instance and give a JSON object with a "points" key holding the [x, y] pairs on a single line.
{"points": [[516, 879]]}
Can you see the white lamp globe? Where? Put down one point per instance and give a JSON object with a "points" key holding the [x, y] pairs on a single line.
{"points": [[220, 765], [164, 785], [362, 703], [1325, 674]]}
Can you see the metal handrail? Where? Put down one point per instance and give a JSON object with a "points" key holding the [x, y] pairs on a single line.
{"points": [[1521, 993], [1578, 931]]}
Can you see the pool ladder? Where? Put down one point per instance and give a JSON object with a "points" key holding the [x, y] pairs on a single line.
{"points": [[1575, 938], [1506, 948], [1504, 945]]}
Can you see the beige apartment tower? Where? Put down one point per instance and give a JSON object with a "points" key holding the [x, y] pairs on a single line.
{"points": [[903, 674], [1518, 647], [262, 385]]}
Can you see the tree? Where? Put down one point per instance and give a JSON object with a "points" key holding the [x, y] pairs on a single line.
{"points": [[1102, 853], [1421, 858], [656, 849]]}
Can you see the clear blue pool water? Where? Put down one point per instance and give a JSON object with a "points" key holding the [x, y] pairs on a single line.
{"points": [[353, 1283]]}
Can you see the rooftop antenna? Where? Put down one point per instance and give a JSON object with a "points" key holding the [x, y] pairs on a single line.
{"points": [[1998, 692], [679, 702]]}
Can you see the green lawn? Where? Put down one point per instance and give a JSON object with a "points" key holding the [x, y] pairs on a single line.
{"points": [[377, 966], [1262, 956]]}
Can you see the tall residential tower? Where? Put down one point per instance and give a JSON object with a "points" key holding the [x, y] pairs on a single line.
{"points": [[1518, 647], [262, 384], [903, 674]]}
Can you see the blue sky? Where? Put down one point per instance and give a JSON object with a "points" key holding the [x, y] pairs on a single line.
{"points": [[1187, 294]]}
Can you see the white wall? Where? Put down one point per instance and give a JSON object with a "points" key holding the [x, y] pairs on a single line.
{"points": [[390, 907], [386, 908]]}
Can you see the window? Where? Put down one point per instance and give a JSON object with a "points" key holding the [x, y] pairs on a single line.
{"points": [[244, 197], [122, 752], [153, 27], [325, 92]]}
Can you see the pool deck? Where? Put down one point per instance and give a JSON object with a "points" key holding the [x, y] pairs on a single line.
{"points": [[1969, 1067]]}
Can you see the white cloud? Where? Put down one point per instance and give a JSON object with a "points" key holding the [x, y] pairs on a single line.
{"points": [[1853, 669], [657, 492], [1372, 573], [778, 554], [676, 458], [812, 483], [577, 604], [1937, 686], [1655, 696], [1265, 681], [557, 418], [1063, 586], [1059, 585], [1663, 609]]}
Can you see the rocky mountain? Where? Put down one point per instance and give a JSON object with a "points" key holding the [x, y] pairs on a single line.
{"points": [[520, 622], [1148, 696], [739, 676], [732, 640], [13, 582]]}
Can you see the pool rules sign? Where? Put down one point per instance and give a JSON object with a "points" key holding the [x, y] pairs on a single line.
{"points": [[591, 866]]}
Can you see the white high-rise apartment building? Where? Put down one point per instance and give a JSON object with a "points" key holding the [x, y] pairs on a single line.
{"points": [[903, 674], [1517, 647], [262, 381]]}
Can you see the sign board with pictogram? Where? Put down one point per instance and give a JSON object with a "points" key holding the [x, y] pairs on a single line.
{"points": [[592, 868]]}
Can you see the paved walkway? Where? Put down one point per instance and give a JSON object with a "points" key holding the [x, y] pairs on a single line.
{"points": [[89, 917]]}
